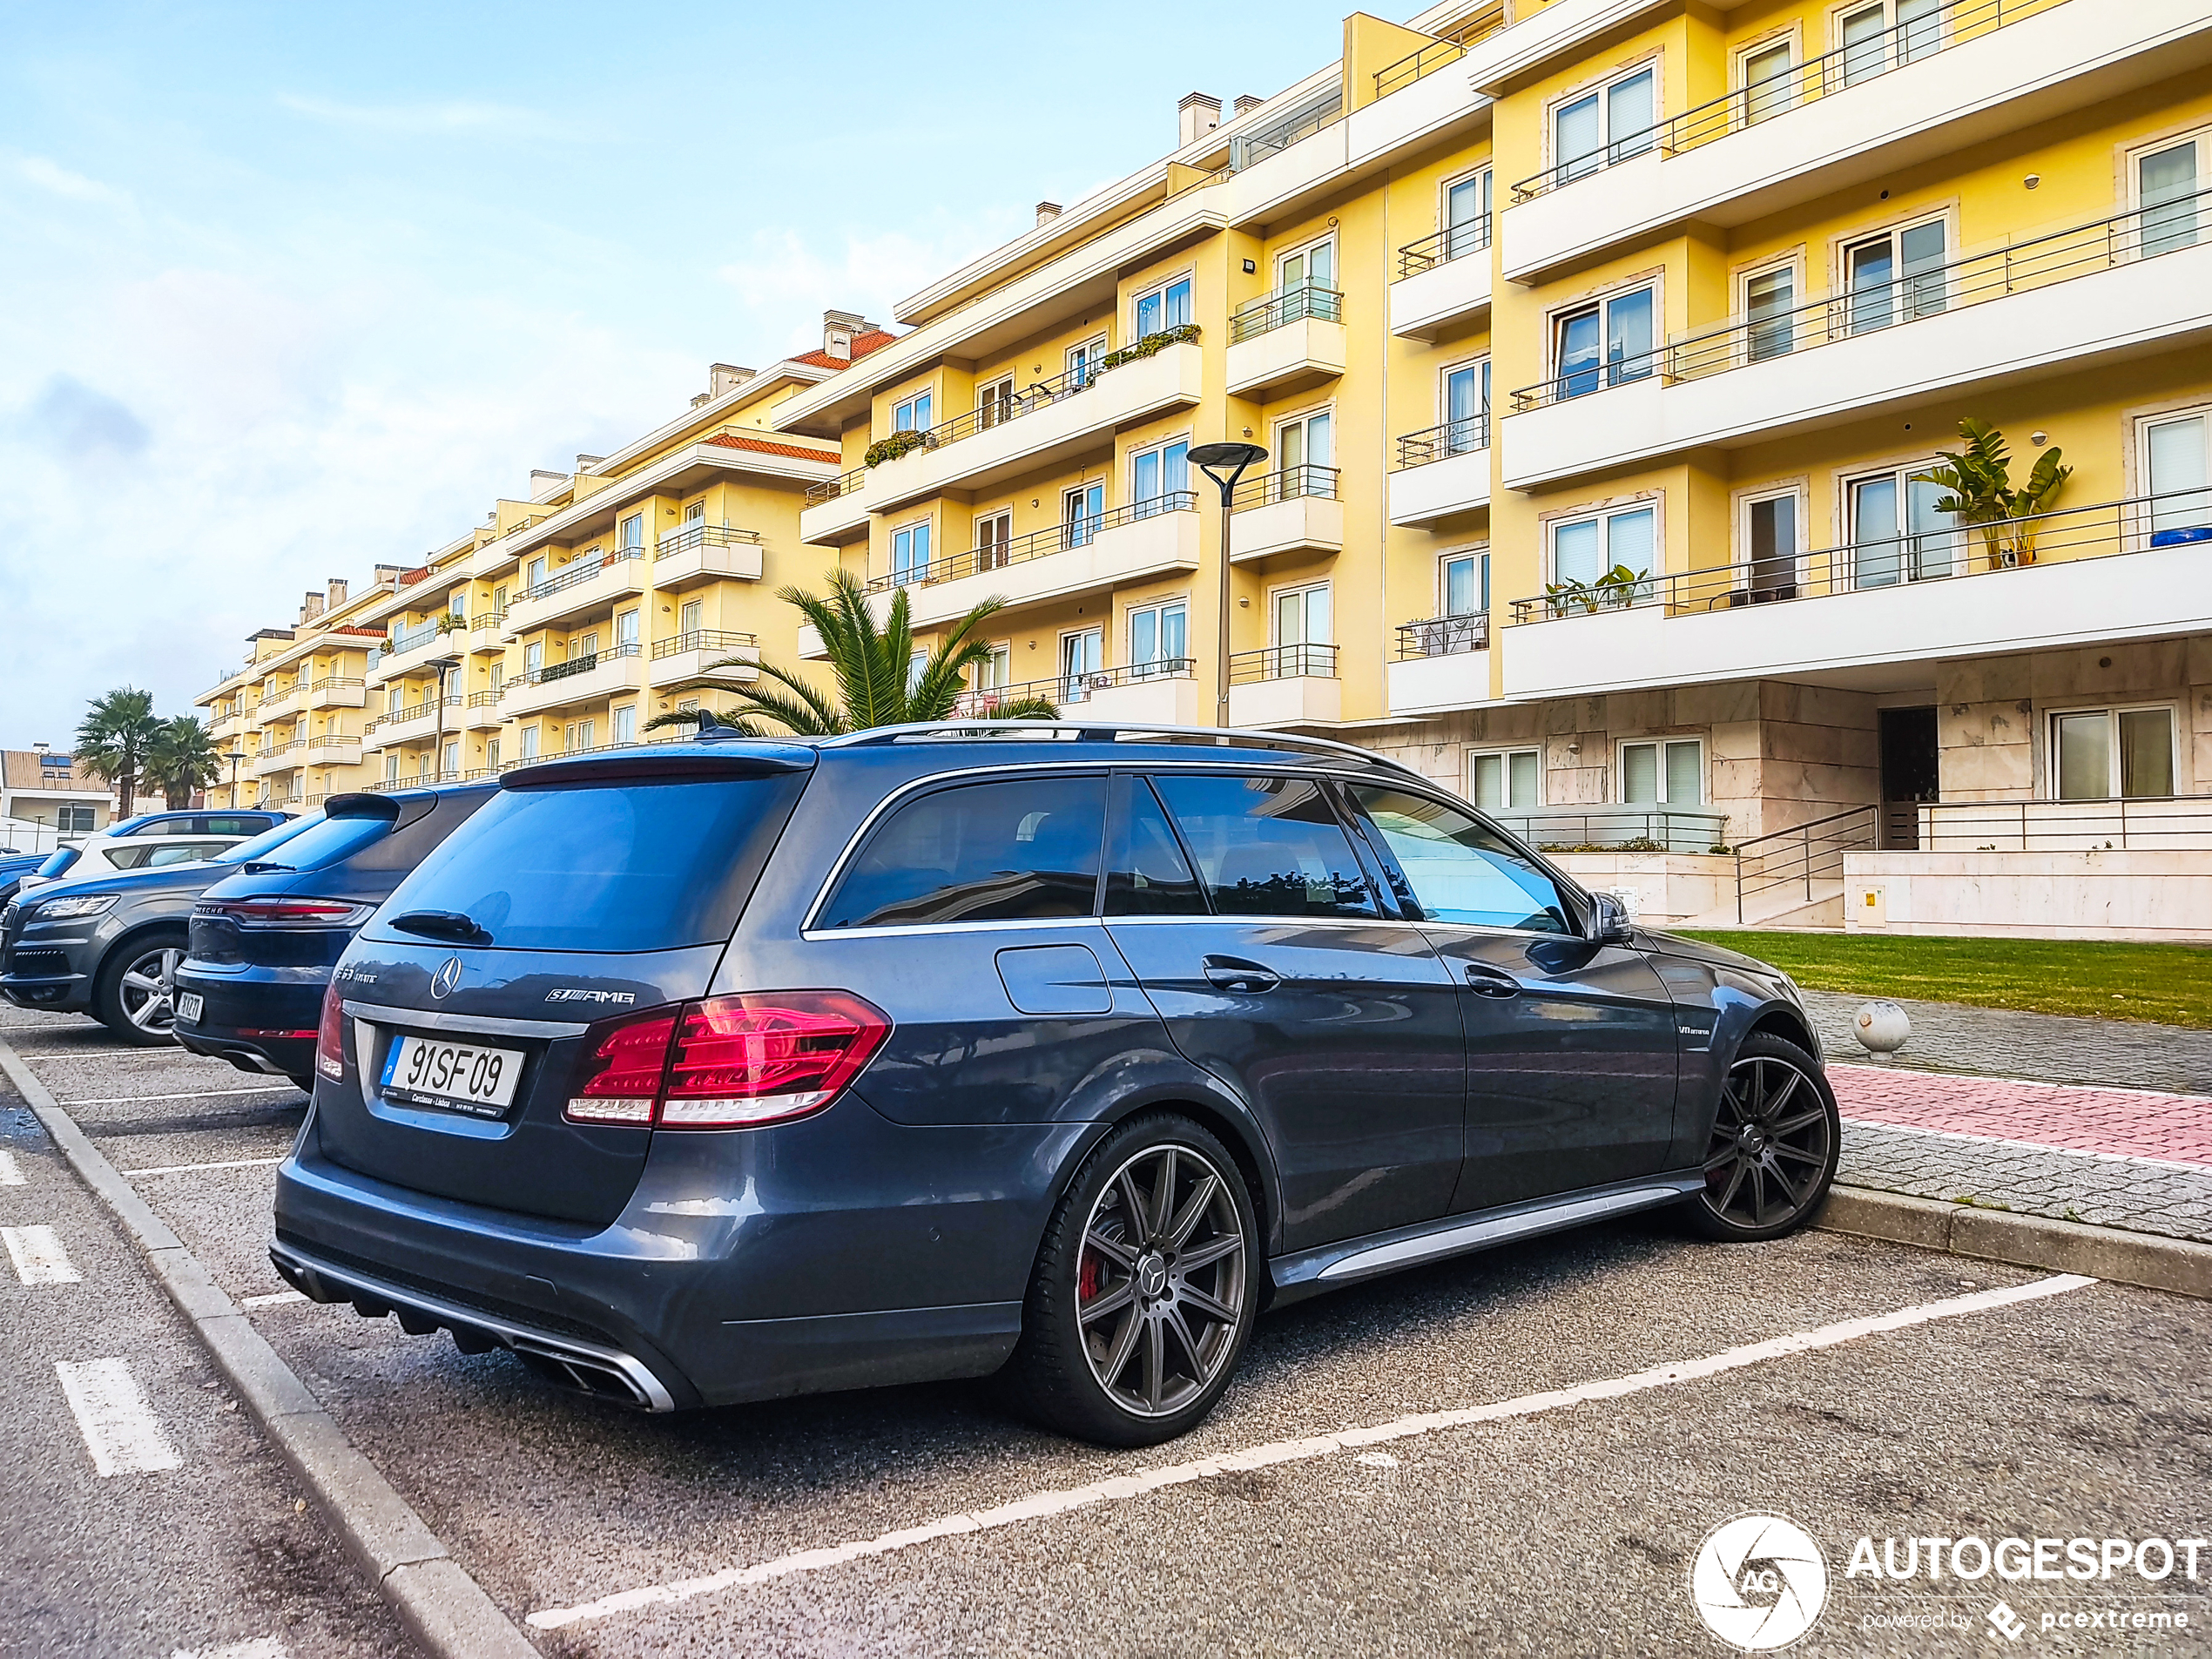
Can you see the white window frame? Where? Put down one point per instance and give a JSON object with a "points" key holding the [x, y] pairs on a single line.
{"points": [[1304, 250], [1505, 759], [994, 400], [1963, 550], [1602, 303], [1157, 609], [1451, 445], [1608, 152], [1448, 246], [927, 526], [1924, 45], [691, 617], [1794, 265], [1158, 290], [1903, 307], [1745, 500], [621, 715], [1075, 687], [1302, 421], [1605, 516], [1444, 560], [1002, 518], [1621, 772], [2144, 482], [1080, 361], [2112, 712], [902, 412], [1750, 110], [1158, 447]]}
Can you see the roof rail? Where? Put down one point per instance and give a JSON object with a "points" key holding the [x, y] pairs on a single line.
{"points": [[1068, 730]]}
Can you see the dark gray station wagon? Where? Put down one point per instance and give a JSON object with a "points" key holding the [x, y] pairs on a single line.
{"points": [[721, 1071]]}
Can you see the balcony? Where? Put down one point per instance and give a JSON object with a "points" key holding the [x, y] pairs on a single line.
{"points": [[1927, 88], [584, 586], [415, 720], [1147, 539], [1285, 686], [484, 629], [1046, 422], [1443, 662], [336, 691], [330, 749], [411, 650], [1158, 693], [1443, 281], [700, 658], [277, 757], [1293, 509], [700, 552], [1442, 472], [1286, 341], [2120, 286], [836, 512], [581, 679], [2098, 575], [1627, 829], [1413, 104]]}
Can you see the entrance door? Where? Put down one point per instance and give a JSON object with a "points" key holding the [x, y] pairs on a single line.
{"points": [[1082, 655], [1909, 774]]}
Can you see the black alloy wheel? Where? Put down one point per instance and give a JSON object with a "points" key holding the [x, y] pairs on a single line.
{"points": [[1772, 1151]]}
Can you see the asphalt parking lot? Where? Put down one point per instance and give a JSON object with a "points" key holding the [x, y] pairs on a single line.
{"points": [[1563, 1518]]}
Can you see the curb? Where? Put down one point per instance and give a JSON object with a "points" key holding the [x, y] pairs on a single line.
{"points": [[445, 1610], [2175, 1265]]}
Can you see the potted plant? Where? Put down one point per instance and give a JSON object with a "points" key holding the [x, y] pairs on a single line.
{"points": [[1982, 494], [890, 449]]}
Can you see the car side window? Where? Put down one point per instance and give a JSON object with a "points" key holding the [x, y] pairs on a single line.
{"points": [[1268, 845], [1022, 850], [1146, 873], [1457, 868]]}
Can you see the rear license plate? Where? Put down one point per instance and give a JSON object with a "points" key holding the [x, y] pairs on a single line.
{"points": [[189, 1007], [459, 1076]]}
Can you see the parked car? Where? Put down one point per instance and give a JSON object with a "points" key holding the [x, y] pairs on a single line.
{"points": [[152, 840], [103, 944], [728, 1069], [262, 941], [13, 868]]}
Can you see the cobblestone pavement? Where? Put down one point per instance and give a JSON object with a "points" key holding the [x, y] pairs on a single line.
{"points": [[2058, 1049]]}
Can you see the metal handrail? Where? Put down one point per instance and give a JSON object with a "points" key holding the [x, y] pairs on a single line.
{"points": [[1295, 128], [1465, 437], [402, 640], [421, 710], [1058, 538], [2119, 823], [703, 639], [485, 699], [978, 702], [1804, 853], [1283, 662], [574, 665], [334, 680], [830, 489], [1283, 307], [1618, 829], [697, 533], [1443, 637], [2101, 530], [581, 571], [1441, 247], [1912, 42], [1286, 484], [1974, 278], [485, 619], [1448, 49]]}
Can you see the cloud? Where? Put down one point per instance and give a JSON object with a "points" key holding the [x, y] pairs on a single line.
{"points": [[68, 419], [780, 271], [427, 120], [55, 179]]}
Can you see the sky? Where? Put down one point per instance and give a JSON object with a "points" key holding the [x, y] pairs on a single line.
{"points": [[288, 292]]}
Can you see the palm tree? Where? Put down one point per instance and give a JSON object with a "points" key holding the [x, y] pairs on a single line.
{"points": [[180, 759], [876, 684], [112, 741]]}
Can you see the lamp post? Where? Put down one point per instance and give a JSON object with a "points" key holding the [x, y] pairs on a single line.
{"points": [[445, 665], [1234, 456]]}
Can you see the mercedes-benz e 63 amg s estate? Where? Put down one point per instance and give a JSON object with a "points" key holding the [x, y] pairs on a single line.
{"points": [[714, 1071]]}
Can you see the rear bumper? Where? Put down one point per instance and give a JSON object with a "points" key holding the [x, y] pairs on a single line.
{"points": [[243, 1009]]}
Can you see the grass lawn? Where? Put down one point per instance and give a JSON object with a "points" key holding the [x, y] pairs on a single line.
{"points": [[2169, 983]]}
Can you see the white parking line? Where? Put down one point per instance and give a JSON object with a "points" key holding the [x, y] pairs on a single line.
{"points": [[118, 1427], [273, 1298], [1040, 1505], [258, 1647], [180, 1168], [203, 1094], [2028, 1146], [11, 1174], [38, 1256]]}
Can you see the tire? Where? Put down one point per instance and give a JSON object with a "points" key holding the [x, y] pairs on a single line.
{"points": [[1130, 1342], [1772, 1155], [130, 996]]}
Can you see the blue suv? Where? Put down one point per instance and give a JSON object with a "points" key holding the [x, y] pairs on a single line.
{"points": [[715, 1071]]}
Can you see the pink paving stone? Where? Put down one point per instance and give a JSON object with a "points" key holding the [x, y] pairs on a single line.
{"points": [[2083, 1120]]}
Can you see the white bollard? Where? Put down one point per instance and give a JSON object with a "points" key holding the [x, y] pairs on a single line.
{"points": [[1881, 1029]]}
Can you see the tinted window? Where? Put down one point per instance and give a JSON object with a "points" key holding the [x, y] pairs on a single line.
{"points": [[57, 861], [1458, 869], [232, 824], [262, 844], [1268, 846], [1023, 850], [182, 853], [328, 840], [602, 868], [1146, 873]]}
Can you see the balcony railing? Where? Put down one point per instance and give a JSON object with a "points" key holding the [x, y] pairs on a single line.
{"points": [[1463, 437], [2139, 824], [703, 639], [574, 665], [1294, 127], [332, 682], [422, 711], [1618, 829], [1441, 247], [487, 698], [983, 702], [1080, 688], [2102, 244], [581, 571], [1438, 53], [485, 620], [844, 484], [1443, 637], [402, 640], [1965, 549], [1284, 483], [1058, 538], [1283, 662], [1283, 307], [687, 538], [1911, 42]]}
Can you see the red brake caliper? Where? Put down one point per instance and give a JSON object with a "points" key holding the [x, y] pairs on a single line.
{"points": [[1087, 1277]]}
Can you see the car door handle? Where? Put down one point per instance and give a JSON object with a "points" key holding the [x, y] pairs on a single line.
{"points": [[1229, 974], [1485, 980]]}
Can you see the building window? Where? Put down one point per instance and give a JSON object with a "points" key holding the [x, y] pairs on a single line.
{"points": [[692, 617], [73, 820], [491, 753], [1887, 35], [1080, 508], [1600, 128], [392, 766], [1762, 71], [626, 628], [1607, 343], [533, 658], [910, 552], [2104, 754], [995, 401], [1159, 477], [1584, 551], [528, 739], [1506, 780], [916, 662], [994, 541], [451, 766], [1464, 580], [2167, 180], [457, 602], [1304, 626], [1306, 457], [580, 736], [1313, 265], [1664, 773], [625, 723], [1896, 535], [583, 647], [498, 677], [995, 672], [534, 573], [912, 413], [1895, 277], [1770, 325], [633, 530], [1770, 541], [1082, 362], [1082, 653], [1163, 307], [1466, 408], [2177, 474], [1467, 215], [1158, 637]]}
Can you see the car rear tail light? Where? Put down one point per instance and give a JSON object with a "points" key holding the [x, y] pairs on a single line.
{"points": [[730, 1062], [275, 911], [330, 1035]]}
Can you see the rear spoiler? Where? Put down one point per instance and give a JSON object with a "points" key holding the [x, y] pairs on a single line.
{"points": [[666, 763]]}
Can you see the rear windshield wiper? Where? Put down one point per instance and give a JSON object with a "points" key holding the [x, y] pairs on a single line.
{"points": [[262, 866], [442, 924]]}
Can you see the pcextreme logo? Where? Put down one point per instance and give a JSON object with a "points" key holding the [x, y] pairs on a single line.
{"points": [[1759, 1583]]}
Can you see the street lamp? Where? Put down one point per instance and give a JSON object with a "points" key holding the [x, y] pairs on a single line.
{"points": [[1235, 457], [445, 665]]}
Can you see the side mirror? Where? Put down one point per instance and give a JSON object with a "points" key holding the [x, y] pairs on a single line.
{"points": [[1609, 922]]}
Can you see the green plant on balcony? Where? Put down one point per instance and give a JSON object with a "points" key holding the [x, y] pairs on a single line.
{"points": [[451, 622], [890, 449], [1150, 345], [1980, 478], [1615, 590]]}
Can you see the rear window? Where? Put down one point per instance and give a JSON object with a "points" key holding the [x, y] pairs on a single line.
{"points": [[325, 841], [625, 867], [266, 843], [57, 861], [1024, 850]]}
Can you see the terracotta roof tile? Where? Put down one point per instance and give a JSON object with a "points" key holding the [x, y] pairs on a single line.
{"points": [[862, 345], [730, 440]]}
